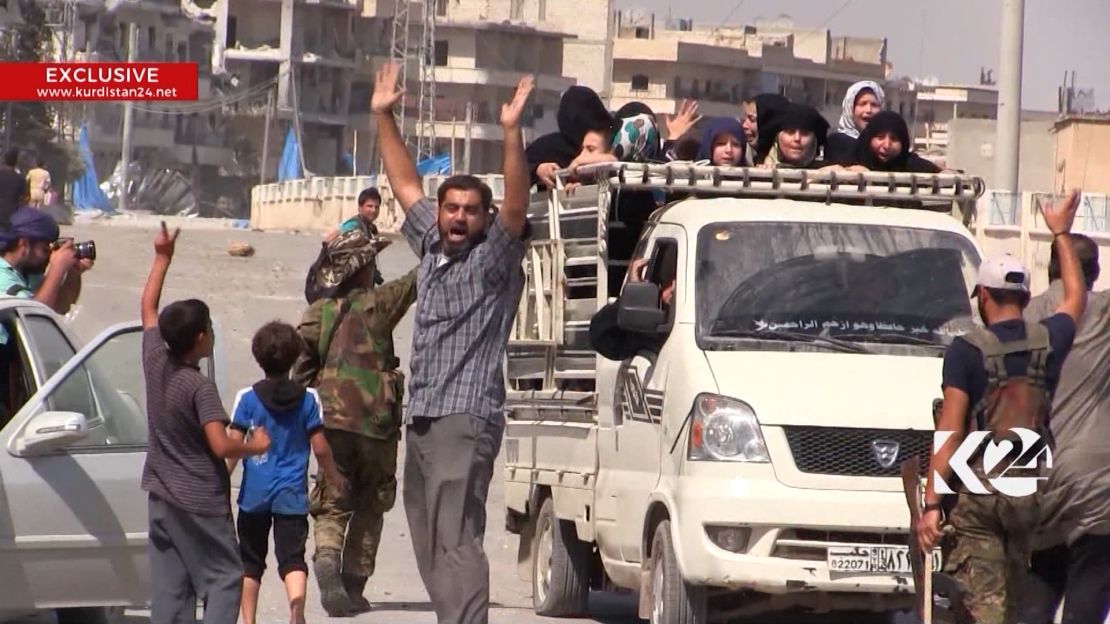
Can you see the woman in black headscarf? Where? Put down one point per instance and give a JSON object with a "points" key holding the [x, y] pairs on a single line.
{"points": [[795, 136], [885, 146], [582, 117], [768, 106]]}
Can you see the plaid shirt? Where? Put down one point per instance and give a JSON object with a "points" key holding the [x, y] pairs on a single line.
{"points": [[464, 309]]}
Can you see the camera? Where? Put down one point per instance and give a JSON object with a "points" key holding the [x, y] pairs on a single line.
{"points": [[85, 250]]}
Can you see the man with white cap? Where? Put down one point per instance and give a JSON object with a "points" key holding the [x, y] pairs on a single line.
{"points": [[1000, 379]]}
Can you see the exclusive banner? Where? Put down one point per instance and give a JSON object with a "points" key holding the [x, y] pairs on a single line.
{"points": [[77, 82]]}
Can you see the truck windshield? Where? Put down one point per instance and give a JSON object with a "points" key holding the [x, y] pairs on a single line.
{"points": [[858, 283]]}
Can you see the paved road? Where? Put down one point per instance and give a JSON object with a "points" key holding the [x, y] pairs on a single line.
{"points": [[246, 292]]}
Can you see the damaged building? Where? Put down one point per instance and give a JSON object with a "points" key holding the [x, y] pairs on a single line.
{"points": [[184, 142]]}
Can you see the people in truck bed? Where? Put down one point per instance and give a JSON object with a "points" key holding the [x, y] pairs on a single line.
{"points": [[765, 107], [681, 132], [582, 119], [885, 146], [863, 101], [796, 135], [722, 143]]}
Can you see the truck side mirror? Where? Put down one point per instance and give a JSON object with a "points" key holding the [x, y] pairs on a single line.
{"points": [[638, 308]]}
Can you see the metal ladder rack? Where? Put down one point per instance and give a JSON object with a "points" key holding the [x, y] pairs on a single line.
{"points": [[567, 263]]}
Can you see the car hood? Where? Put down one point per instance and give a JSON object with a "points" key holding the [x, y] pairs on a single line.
{"points": [[831, 389]]}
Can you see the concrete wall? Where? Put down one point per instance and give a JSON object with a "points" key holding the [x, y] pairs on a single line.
{"points": [[319, 204], [1012, 224], [588, 57], [1083, 155], [971, 147]]}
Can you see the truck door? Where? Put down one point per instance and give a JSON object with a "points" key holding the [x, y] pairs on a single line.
{"points": [[630, 450]]}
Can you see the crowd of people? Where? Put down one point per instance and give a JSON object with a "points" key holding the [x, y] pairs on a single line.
{"points": [[332, 385], [768, 132]]}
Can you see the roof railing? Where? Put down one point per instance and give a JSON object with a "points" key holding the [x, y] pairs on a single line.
{"points": [[873, 187]]}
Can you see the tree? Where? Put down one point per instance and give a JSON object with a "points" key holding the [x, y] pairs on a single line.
{"points": [[32, 123]]}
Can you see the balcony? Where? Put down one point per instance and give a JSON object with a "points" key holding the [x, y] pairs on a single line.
{"points": [[500, 78]]}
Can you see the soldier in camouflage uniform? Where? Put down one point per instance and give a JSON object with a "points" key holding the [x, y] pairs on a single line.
{"points": [[349, 359], [999, 379]]}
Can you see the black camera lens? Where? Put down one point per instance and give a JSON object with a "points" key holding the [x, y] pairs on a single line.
{"points": [[86, 250]]}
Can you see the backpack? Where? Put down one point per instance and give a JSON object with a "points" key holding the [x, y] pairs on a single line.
{"points": [[1013, 402]]}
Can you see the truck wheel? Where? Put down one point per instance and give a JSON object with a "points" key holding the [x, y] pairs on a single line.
{"points": [[673, 601], [560, 566]]}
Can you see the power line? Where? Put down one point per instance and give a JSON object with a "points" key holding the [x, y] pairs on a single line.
{"points": [[729, 15], [212, 105]]}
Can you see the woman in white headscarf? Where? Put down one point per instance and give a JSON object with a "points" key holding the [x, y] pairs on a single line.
{"points": [[863, 101]]}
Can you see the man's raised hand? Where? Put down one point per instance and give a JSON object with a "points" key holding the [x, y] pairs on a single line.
{"points": [[164, 242], [386, 90], [1060, 217], [512, 111]]}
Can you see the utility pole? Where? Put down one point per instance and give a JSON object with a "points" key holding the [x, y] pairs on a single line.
{"points": [[8, 121], [297, 128], [128, 121], [266, 137], [1009, 96], [467, 135]]}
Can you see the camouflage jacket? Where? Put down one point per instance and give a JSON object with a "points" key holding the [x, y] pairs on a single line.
{"points": [[357, 378]]}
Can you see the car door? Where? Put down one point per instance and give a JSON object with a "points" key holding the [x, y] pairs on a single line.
{"points": [[78, 514], [630, 450]]}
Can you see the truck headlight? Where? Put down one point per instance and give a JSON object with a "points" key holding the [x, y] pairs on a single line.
{"points": [[725, 429]]}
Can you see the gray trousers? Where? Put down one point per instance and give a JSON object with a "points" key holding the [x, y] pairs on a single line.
{"points": [[448, 467], [193, 556]]}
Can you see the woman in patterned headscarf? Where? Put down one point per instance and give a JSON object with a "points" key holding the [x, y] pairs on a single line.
{"points": [[863, 101]]}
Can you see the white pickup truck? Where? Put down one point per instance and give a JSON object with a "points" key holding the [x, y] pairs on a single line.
{"points": [[747, 459]]}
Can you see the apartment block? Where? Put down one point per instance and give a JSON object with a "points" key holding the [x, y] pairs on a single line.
{"points": [[587, 53], [167, 31], [663, 61], [477, 67], [304, 55], [938, 104]]}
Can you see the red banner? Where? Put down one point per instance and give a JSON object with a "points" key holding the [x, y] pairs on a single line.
{"points": [[120, 82]]}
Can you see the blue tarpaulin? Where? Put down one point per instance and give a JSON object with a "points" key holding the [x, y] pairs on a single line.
{"points": [[87, 194], [289, 167], [435, 165]]}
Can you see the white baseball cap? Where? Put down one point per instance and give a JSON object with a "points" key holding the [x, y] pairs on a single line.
{"points": [[1003, 272]]}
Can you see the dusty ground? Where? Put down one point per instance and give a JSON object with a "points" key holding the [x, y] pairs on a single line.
{"points": [[246, 292]]}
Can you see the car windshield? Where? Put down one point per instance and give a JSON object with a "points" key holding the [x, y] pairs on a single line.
{"points": [[844, 282]]}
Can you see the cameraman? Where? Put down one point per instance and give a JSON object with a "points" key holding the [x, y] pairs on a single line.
{"points": [[32, 266]]}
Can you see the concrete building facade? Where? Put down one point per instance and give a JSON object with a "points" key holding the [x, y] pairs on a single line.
{"points": [[587, 53], [161, 135], [303, 54], [1082, 153], [662, 62], [477, 67], [971, 147]]}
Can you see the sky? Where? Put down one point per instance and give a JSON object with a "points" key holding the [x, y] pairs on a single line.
{"points": [[948, 39]]}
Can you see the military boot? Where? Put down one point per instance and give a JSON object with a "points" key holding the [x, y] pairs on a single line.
{"points": [[333, 596], [355, 585]]}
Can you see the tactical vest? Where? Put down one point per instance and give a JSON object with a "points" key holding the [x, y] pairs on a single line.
{"points": [[1011, 402]]}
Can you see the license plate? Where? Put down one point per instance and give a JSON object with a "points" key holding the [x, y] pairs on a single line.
{"points": [[874, 560]]}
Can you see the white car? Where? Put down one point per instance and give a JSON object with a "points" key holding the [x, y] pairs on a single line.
{"points": [[73, 517]]}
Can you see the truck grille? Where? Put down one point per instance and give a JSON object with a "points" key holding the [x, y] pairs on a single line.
{"points": [[857, 452]]}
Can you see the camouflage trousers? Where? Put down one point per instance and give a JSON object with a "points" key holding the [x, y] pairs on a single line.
{"points": [[351, 526], [989, 553]]}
